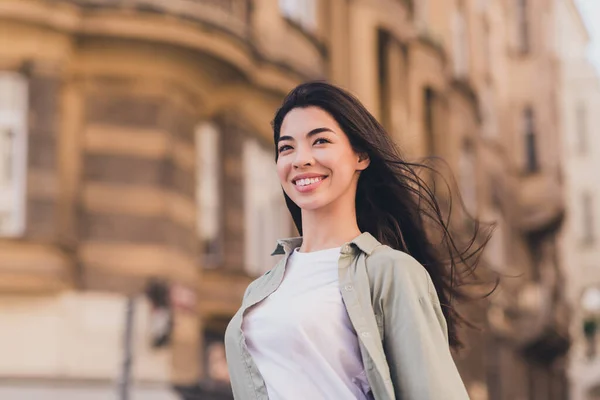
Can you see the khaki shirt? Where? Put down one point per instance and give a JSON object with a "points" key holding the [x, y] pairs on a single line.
{"points": [[395, 311]]}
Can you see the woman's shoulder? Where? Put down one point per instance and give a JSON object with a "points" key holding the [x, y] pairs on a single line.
{"points": [[386, 262]]}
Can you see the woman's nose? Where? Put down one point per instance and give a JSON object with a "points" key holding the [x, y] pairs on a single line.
{"points": [[303, 159]]}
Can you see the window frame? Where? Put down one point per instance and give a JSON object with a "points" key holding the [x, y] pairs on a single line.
{"points": [[209, 180], [14, 109]]}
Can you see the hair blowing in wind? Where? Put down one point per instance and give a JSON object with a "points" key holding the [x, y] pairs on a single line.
{"points": [[393, 202]]}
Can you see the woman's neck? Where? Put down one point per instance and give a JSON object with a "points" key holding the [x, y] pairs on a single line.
{"points": [[328, 228]]}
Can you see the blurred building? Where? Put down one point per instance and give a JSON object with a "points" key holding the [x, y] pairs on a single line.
{"points": [[136, 145], [501, 137], [580, 156]]}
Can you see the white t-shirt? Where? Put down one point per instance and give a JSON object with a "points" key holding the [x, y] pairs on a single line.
{"points": [[301, 337]]}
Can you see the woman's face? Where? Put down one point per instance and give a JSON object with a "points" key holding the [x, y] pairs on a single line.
{"points": [[317, 165]]}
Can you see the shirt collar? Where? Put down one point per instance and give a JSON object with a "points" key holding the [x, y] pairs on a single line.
{"points": [[365, 242]]}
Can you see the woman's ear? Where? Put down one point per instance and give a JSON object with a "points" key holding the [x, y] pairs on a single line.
{"points": [[363, 161]]}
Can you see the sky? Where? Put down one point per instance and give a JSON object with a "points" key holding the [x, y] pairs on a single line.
{"points": [[590, 9]]}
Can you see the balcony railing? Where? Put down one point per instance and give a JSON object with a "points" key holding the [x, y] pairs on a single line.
{"points": [[229, 15]]}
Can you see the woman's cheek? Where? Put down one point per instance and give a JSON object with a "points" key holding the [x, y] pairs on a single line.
{"points": [[281, 172]]}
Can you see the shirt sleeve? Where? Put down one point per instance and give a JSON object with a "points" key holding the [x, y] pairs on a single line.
{"points": [[416, 337]]}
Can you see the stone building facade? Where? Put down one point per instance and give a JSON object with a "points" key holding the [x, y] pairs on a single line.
{"points": [[580, 248], [139, 137]]}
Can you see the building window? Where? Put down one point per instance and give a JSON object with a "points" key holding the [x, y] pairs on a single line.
{"points": [[588, 219], [528, 129], [301, 12], [208, 192], [582, 132], [468, 178], [461, 42], [266, 215], [422, 14], [523, 38], [488, 112], [391, 84], [13, 153]]}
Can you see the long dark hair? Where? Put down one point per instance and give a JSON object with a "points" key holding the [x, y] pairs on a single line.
{"points": [[393, 202]]}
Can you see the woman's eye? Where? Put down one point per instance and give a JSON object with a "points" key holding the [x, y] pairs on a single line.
{"points": [[321, 141], [284, 148]]}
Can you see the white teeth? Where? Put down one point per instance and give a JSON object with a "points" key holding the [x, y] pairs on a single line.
{"points": [[308, 181]]}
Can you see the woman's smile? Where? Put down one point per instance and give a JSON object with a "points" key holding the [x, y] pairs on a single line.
{"points": [[307, 183]]}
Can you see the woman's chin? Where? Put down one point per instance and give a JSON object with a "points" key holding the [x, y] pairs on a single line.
{"points": [[310, 206]]}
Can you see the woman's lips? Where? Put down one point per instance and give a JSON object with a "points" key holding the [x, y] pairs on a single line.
{"points": [[310, 187]]}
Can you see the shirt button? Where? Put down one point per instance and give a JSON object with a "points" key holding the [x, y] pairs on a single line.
{"points": [[365, 334], [348, 288], [346, 248]]}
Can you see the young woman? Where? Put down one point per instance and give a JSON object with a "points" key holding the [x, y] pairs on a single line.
{"points": [[360, 306]]}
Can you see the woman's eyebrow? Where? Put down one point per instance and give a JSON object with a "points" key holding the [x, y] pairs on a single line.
{"points": [[313, 132]]}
